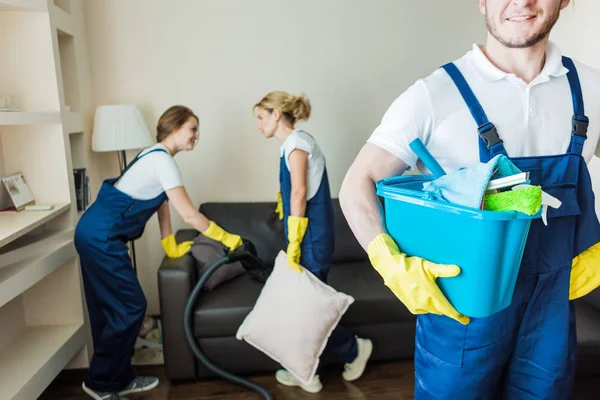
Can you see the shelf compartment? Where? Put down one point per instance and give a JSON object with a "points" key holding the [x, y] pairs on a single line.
{"points": [[28, 53], [32, 361], [61, 19], [69, 70], [14, 225], [24, 267], [78, 150], [73, 122], [10, 118], [24, 5], [43, 165], [64, 5]]}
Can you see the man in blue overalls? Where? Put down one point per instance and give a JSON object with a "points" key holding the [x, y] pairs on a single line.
{"points": [[518, 96]]}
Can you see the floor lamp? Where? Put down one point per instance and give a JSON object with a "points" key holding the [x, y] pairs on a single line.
{"points": [[120, 128]]}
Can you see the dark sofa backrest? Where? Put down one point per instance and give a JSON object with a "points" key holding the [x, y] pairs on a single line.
{"points": [[347, 248], [258, 223]]}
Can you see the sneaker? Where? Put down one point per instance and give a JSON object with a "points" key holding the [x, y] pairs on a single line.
{"points": [[287, 379], [101, 395], [140, 384], [355, 369]]}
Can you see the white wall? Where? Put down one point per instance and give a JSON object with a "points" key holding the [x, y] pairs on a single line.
{"points": [[577, 35], [351, 58]]}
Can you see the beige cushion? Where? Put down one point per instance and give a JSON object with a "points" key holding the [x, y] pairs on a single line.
{"points": [[293, 319]]}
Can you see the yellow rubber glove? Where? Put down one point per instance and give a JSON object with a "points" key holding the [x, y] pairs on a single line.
{"points": [[174, 250], [279, 208], [585, 273], [296, 230], [217, 233], [412, 279]]}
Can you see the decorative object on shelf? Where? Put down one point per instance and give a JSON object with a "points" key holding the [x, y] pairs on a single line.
{"points": [[16, 193], [120, 127], [81, 188], [40, 207], [8, 102]]}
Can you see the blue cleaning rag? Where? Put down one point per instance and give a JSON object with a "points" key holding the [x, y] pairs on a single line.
{"points": [[466, 187]]}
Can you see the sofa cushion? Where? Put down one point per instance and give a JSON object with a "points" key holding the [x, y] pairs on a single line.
{"points": [[375, 303], [223, 310], [185, 235]]}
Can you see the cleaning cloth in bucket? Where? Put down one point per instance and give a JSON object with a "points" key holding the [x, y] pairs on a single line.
{"points": [[528, 200], [467, 187]]}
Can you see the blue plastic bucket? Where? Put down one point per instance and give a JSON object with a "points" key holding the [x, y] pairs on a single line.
{"points": [[487, 245]]}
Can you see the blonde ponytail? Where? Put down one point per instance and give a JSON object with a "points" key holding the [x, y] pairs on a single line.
{"points": [[293, 108], [300, 108]]}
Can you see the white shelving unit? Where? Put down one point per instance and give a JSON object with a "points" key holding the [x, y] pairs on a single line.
{"points": [[42, 319], [28, 118], [13, 225], [28, 264], [29, 5], [49, 349]]}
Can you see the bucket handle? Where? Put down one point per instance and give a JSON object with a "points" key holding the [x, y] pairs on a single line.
{"points": [[430, 162]]}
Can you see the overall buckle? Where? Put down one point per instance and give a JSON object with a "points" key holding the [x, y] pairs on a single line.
{"points": [[580, 125], [489, 134]]}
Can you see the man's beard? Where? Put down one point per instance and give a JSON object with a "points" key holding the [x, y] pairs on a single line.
{"points": [[529, 42]]}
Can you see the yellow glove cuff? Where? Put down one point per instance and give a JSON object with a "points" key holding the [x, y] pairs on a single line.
{"points": [[296, 228], [214, 231], [279, 209], [168, 243], [585, 273], [383, 244]]}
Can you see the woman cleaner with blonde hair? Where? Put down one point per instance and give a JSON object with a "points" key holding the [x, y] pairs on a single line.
{"points": [[305, 201]]}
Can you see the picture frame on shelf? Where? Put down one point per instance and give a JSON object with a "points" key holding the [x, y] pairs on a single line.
{"points": [[16, 193]]}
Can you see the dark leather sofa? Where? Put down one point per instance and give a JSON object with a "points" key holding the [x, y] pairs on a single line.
{"points": [[376, 313]]}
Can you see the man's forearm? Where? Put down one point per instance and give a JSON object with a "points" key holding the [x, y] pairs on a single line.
{"points": [[362, 208]]}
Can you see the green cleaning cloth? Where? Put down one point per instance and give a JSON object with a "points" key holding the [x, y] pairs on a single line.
{"points": [[527, 200]]}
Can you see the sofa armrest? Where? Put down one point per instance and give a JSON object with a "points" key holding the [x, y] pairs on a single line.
{"points": [[176, 279]]}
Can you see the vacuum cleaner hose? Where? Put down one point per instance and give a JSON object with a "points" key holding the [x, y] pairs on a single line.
{"points": [[188, 322]]}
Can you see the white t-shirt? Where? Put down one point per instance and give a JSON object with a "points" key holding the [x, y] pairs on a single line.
{"points": [[151, 175], [316, 161], [532, 119]]}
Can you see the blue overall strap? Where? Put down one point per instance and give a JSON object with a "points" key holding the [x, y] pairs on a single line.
{"points": [[138, 157], [490, 143], [580, 121]]}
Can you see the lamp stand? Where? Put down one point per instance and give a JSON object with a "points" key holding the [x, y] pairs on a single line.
{"points": [[123, 165]]}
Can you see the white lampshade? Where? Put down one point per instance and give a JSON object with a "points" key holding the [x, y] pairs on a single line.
{"points": [[120, 127]]}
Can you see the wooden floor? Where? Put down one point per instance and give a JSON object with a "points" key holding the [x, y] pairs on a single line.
{"points": [[383, 381]]}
